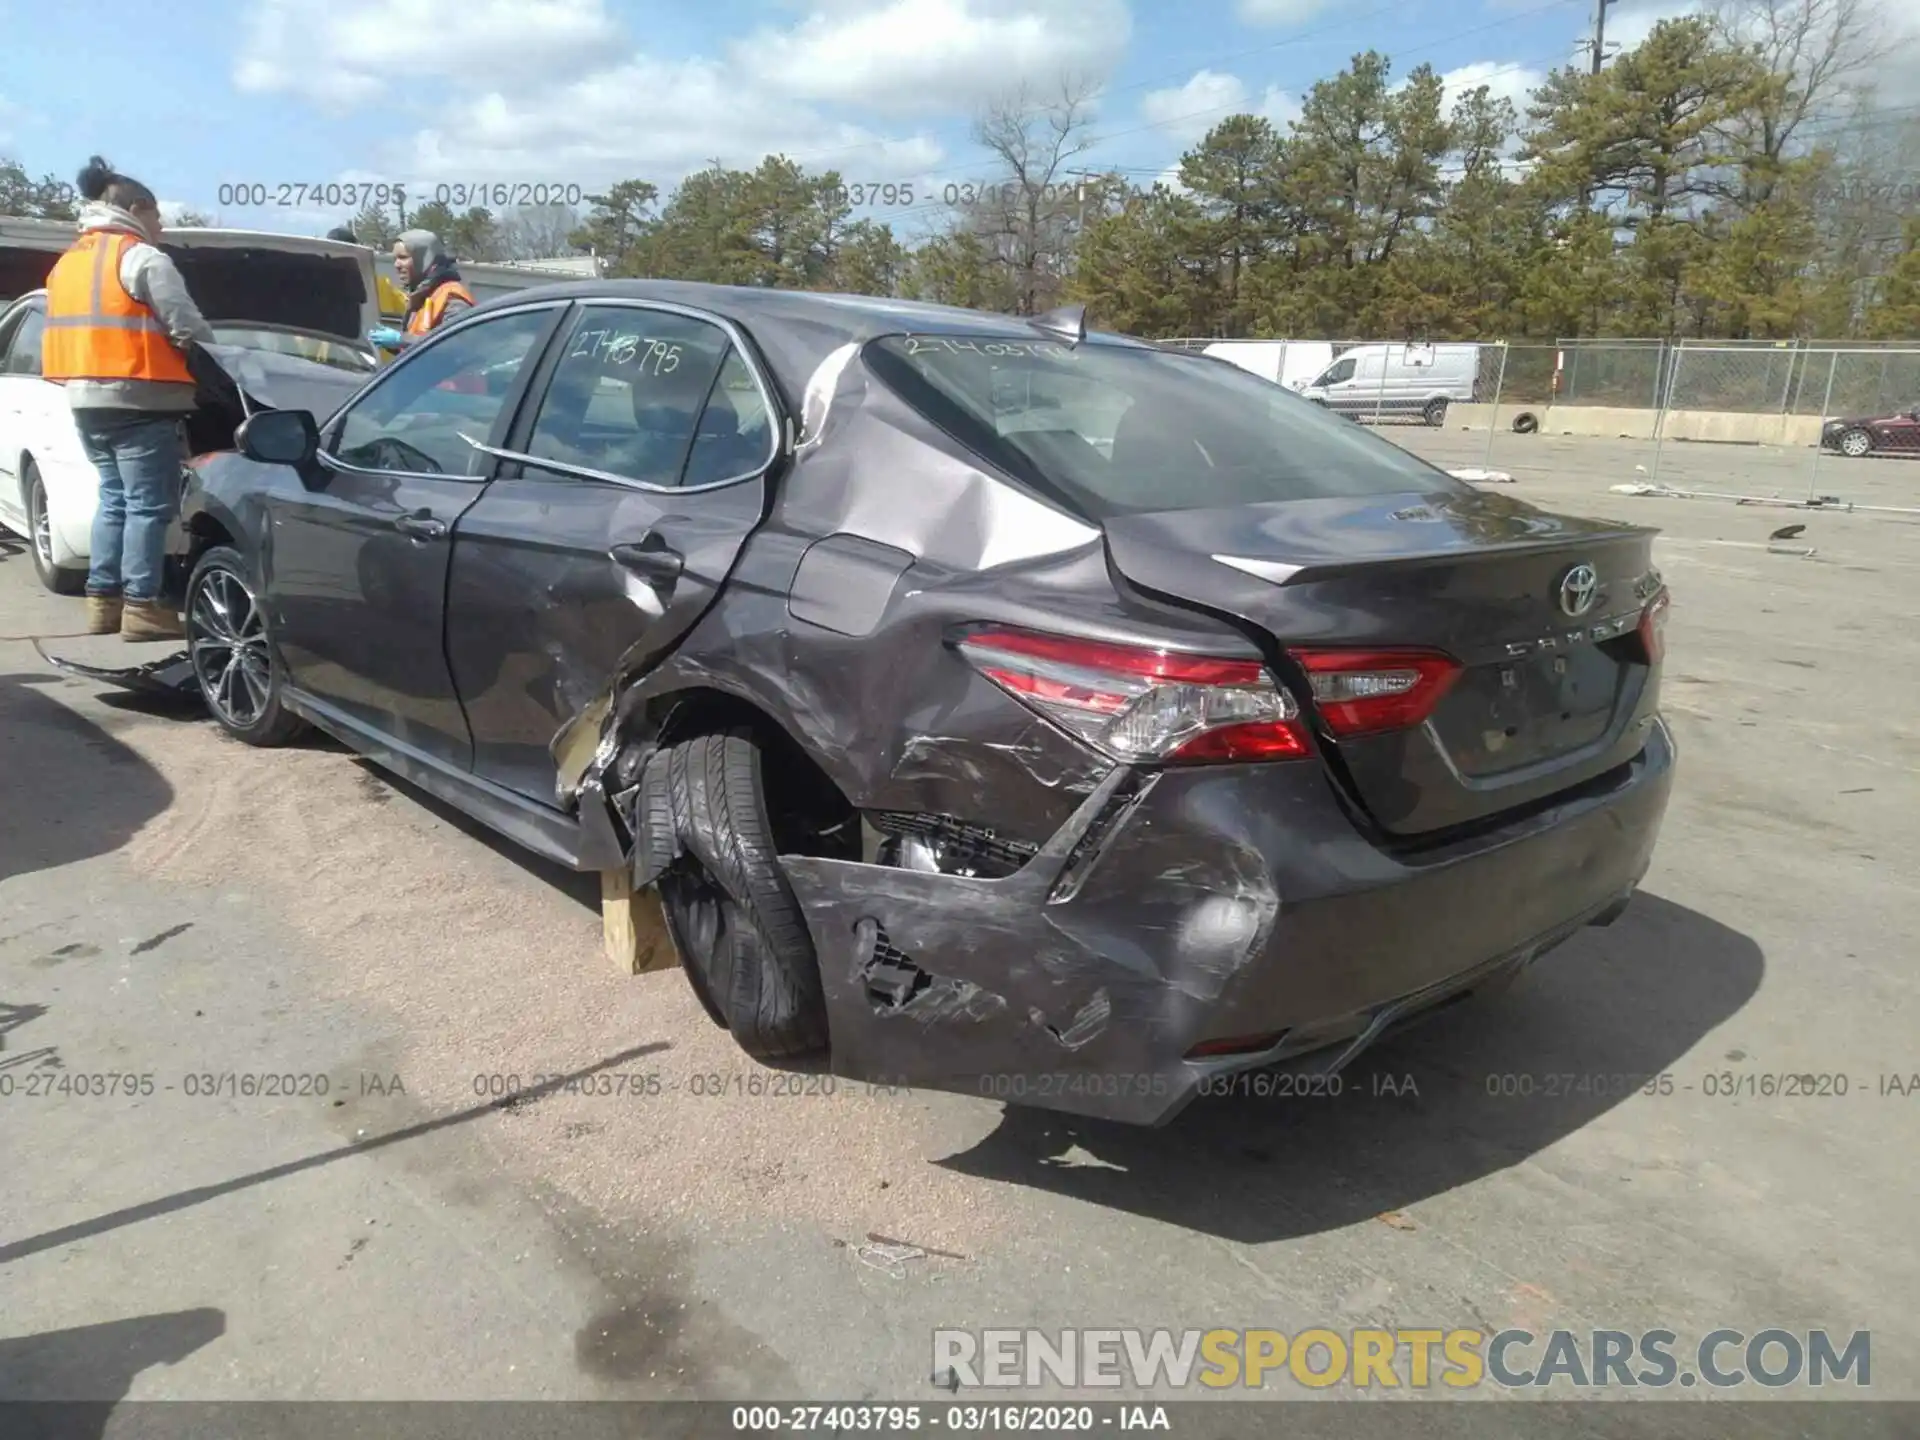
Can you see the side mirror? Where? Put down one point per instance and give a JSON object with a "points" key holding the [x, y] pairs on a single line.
{"points": [[279, 437]]}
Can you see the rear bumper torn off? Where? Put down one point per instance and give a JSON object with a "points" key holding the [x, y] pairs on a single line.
{"points": [[1227, 901]]}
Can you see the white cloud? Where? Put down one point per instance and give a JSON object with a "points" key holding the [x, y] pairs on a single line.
{"points": [[556, 90], [918, 56], [1504, 81], [1279, 12], [1187, 112], [343, 53], [1629, 25], [659, 119]]}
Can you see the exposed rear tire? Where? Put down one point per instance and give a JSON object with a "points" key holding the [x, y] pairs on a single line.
{"points": [[60, 579], [729, 909], [1435, 414], [234, 661]]}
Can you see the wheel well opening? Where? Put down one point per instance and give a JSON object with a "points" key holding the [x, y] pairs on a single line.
{"points": [[810, 813], [203, 533]]}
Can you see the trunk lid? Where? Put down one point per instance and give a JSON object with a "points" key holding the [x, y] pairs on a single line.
{"points": [[1552, 693]]}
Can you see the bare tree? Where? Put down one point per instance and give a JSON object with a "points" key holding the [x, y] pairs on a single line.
{"points": [[1822, 54], [1029, 217], [537, 232], [1866, 196]]}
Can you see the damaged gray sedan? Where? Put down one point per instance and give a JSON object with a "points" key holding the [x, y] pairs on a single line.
{"points": [[995, 706]]}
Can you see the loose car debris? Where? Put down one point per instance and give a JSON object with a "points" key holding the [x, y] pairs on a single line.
{"points": [[1814, 502], [891, 1256]]}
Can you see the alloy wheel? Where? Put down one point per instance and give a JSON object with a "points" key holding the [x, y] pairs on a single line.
{"points": [[42, 526], [227, 636], [1855, 443]]}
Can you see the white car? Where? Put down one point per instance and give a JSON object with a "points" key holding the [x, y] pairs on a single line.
{"points": [[290, 312]]}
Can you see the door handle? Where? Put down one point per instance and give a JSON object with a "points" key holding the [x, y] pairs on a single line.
{"points": [[649, 562], [421, 526]]}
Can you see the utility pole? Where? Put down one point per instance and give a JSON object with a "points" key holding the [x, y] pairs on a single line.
{"points": [[1600, 33], [1599, 47]]}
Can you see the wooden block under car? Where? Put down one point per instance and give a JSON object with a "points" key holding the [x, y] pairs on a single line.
{"points": [[631, 924]]}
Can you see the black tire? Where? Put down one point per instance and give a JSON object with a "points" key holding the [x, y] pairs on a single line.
{"points": [[60, 579], [1525, 423], [733, 918], [1861, 440], [1435, 414], [238, 670]]}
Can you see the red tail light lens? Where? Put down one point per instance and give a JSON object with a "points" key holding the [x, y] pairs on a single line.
{"points": [[1144, 705], [1363, 692], [1653, 628]]}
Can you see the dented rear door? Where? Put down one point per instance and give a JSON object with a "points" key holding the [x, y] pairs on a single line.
{"points": [[621, 503]]}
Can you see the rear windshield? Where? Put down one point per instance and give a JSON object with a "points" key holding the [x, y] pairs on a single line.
{"points": [[1115, 430]]}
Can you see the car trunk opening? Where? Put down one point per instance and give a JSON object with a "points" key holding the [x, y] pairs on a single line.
{"points": [[1541, 614], [325, 294]]}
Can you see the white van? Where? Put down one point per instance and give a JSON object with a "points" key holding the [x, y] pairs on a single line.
{"points": [[1397, 381]]}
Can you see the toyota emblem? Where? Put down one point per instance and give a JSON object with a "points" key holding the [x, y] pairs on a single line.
{"points": [[1579, 588]]}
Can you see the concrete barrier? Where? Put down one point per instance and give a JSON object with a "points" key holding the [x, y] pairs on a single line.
{"points": [[1731, 428], [1607, 422]]}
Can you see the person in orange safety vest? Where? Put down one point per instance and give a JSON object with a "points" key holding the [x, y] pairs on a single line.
{"points": [[435, 292], [119, 323]]}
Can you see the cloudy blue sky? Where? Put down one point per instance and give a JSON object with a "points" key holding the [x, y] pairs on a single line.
{"points": [[581, 92]]}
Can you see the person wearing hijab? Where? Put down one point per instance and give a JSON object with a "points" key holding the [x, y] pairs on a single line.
{"points": [[435, 292], [119, 326]]}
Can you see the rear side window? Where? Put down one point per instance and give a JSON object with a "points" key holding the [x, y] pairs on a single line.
{"points": [[1114, 430], [653, 396]]}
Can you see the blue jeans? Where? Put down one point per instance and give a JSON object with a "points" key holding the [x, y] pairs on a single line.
{"points": [[138, 454]]}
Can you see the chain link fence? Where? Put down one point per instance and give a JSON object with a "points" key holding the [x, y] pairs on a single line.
{"points": [[1785, 410]]}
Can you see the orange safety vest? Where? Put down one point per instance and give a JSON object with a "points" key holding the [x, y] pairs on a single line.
{"points": [[435, 305], [95, 329]]}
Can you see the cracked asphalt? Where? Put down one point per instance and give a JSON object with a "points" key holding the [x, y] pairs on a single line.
{"points": [[318, 986]]}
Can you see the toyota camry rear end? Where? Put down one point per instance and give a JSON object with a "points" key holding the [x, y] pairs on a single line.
{"points": [[1286, 739]]}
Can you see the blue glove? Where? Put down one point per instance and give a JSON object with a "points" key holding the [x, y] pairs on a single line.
{"points": [[386, 337]]}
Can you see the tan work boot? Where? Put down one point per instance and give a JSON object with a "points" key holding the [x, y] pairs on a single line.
{"points": [[150, 620], [103, 614]]}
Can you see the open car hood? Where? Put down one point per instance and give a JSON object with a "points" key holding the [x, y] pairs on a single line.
{"points": [[270, 381], [243, 277]]}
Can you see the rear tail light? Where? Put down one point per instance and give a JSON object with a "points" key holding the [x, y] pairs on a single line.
{"points": [[1141, 704], [1653, 628], [1362, 692]]}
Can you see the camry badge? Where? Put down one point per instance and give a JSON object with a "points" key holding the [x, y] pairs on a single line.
{"points": [[1579, 588]]}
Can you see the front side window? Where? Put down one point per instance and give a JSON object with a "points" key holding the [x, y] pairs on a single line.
{"points": [[1341, 370], [653, 396], [1113, 429], [421, 417]]}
